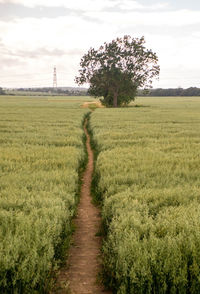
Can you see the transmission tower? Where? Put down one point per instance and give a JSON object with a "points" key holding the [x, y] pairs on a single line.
{"points": [[54, 78]]}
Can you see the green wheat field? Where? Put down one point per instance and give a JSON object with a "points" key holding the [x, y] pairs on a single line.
{"points": [[146, 179]]}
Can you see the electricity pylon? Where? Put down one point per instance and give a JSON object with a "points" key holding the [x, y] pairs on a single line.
{"points": [[54, 78]]}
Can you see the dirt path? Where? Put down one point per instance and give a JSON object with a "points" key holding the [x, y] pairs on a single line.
{"points": [[83, 262]]}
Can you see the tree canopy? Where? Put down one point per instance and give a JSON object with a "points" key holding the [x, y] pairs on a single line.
{"points": [[2, 92], [192, 91], [117, 69]]}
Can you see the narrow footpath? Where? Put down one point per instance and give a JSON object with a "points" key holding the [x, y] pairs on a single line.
{"points": [[84, 255]]}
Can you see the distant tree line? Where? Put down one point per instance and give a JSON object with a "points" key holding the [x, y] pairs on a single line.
{"points": [[2, 91], [60, 91], [192, 91]]}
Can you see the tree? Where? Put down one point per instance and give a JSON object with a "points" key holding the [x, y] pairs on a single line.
{"points": [[2, 91], [117, 69]]}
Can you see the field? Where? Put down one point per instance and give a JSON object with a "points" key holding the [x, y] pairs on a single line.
{"points": [[41, 147], [147, 178]]}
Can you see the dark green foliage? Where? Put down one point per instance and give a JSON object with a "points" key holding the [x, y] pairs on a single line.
{"points": [[104, 81], [192, 91], [2, 91], [117, 69]]}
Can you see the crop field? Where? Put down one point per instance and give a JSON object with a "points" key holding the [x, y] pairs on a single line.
{"points": [[147, 178], [41, 153]]}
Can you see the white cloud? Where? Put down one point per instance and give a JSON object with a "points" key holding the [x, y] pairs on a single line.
{"points": [[24, 38], [75, 4], [135, 5], [169, 18], [63, 33], [24, 41], [88, 5]]}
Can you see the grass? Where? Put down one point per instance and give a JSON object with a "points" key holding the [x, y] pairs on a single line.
{"points": [[41, 147], [147, 177]]}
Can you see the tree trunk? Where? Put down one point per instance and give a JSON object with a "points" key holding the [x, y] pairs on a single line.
{"points": [[115, 100]]}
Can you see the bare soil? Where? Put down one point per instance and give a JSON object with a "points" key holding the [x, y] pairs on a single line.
{"points": [[97, 104], [79, 276]]}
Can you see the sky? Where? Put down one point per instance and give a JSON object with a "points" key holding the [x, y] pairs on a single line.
{"points": [[36, 35]]}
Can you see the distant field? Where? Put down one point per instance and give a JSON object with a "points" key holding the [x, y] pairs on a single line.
{"points": [[147, 177], [41, 151], [37, 93]]}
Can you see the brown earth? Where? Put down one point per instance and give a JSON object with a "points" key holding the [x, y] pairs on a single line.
{"points": [[97, 104], [64, 100], [79, 276]]}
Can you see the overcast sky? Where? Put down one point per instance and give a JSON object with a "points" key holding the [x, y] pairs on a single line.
{"points": [[36, 35]]}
